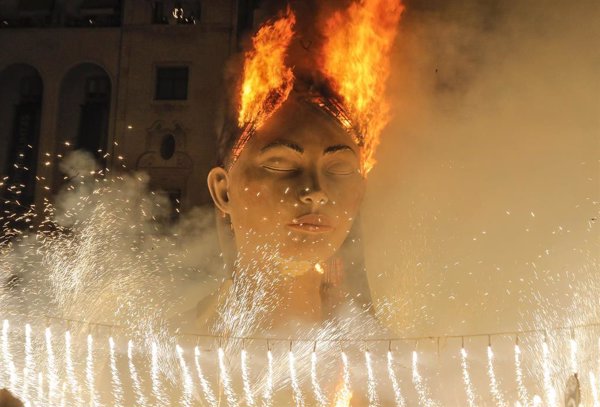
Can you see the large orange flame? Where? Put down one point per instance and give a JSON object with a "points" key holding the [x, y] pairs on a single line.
{"points": [[267, 81], [356, 58]]}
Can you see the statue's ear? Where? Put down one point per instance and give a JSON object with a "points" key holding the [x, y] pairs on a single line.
{"points": [[218, 185]]}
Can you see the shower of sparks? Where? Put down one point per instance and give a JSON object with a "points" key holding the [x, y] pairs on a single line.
{"points": [[371, 383], [395, 384], [71, 378], [420, 386], [346, 391], [594, 387], [141, 399], [298, 397], [226, 380], [206, 389], [51, 368], [494, 388], [63, 395], [522, 391], [548, 388], [89, 372], [115, 379], [28, 369], [157, 391], [246, 378], [268, 393], [319, 396], [188, 384], [467, 378], [573, 347], [7, 356], [40, 389]]}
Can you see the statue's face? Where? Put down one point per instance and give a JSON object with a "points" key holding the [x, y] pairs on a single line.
{"points": [[296, 188]]}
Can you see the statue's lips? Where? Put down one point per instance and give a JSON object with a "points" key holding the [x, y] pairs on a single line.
{"points": [[311, 223]]}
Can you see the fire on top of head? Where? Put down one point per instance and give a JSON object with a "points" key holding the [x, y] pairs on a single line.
{"points": [[354, 62]]}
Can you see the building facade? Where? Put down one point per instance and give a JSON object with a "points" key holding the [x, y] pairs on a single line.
{"points": [[137, 83]]}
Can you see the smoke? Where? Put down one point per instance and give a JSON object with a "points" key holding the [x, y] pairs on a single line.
{"points": [[481, 214]]}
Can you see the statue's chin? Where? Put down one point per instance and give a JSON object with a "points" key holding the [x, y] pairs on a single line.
{"points": [[295, 268]]}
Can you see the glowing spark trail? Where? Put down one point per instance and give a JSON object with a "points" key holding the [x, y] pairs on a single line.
{"points": [[206, 389], [28, 369], [115, 379], [522, 391], [268, 393], [420, 387], [594, 389], [548, 388], [298, 397], [51, 368], [89, 371], [494, 388], [137, 387], [72, 379], [157, 392], [319, 396], [228, 389], [7, 357], [467, 377], [246, 378], [345, 393], [395, 384], [188, 387], [371, 383], [40, 389], [573, 356]]}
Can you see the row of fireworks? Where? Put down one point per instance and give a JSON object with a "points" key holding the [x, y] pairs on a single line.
{"points": [[56, 383]]}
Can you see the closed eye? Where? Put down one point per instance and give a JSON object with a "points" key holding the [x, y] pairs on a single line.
{"points": [[341, 168]]}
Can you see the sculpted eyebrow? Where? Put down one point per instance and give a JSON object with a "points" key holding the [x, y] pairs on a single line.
{"points": [[282, 143], [338, 147]]}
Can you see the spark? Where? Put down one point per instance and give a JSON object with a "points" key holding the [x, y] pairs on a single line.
{"points": [[40, 389], [246, 378], [70, 370], [522, 391], [115, 379], [298, 397], [188, 386], [206, 389], [467, 377], [345, 373], [268, 393], [28, 369], [51, 367], [7, 356], [89, 371], [395, 384], [573, 355], [319, 396], [548, 388], [537, 401], [141, 400], [594, 387], [494, 388], [419, 384], [371, 383], [227, 387], [155, 376]]}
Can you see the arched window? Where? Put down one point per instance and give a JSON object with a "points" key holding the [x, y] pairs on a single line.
{"points": [[20, 111]]}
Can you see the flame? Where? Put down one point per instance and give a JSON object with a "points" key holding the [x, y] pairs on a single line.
{"points": [[343, 396], [355, 57], [267, 81]]}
